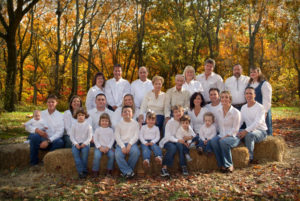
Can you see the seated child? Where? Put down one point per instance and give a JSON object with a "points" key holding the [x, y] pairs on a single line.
{"points": [[104, 139], [80, 136], [149, 136], [35, 122]]}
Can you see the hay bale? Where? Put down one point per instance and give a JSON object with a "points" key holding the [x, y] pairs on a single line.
{"points": [[271, 149]]}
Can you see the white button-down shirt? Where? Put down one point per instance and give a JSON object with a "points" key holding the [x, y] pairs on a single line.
{"points": [[214, 109], [193, 86], [127, 132], [181, 133], [91, 97], [55, 124], [151, 134], [197, 121], [139, 90], [230, 123], [68, 121], [207, 133], [266, 90], [95, 117], [254, 117], [116, 90], [150, 102], [170, 132], [104, 137], [81, 133], [237, 87]]}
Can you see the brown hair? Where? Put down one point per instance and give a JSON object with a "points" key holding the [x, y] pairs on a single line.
{"points": [[70, 103], [177, 107], [81, 110], [99, 74], [261, 76], [150, 115], [209, 114], [105, 116], [133, 106], [210, 61], [52, 96], [185, 117]]}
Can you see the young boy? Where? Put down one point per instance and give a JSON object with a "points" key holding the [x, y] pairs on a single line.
{"points": [[127, 134], [35, 122]]}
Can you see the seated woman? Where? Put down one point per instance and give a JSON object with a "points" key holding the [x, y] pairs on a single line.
{"points": [[97, 88]]}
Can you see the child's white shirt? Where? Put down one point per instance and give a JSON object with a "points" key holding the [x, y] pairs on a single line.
{"points": [[33, 124], [147, 133], [127, 132], [181, 133], [104, 137], [81, 133], [207, 132]]}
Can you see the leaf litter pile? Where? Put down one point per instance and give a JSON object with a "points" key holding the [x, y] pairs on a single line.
{"points": [[268, 180]]}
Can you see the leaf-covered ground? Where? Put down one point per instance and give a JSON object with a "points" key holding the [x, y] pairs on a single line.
{"points": [[275, 181]]}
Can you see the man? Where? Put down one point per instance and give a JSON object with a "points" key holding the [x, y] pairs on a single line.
{"points": [[116, 88], [141, 86], [237, 84], [50, 139], [176, 96], [253, 114], [209, 79]]}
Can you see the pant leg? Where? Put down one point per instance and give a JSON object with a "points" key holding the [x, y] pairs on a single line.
{"points": [[84, 157], [160, 123], [111, 157], [208, 147], [171, 149], [77, 159], [122, 163], [186, 150], [226, 145], [97, 158], [201, 144], [146, 152], [217, 150], [180, 148], [269, 122], [252, 138], [156, 150], [67, 141], [56, 144], [134, 155], [35, 141]]}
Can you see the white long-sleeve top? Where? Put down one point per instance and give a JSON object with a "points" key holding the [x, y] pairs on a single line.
{"points": [[207, 133], [266, 90], [181, 133], [254, 117], [95, 117], [237, 87], [147, 133], [170, 132], [150, 102], [127, 132], [55, 124], [104, 137], [116, 90], [230, 123], [81, 133], [139, 89], [117, 115], [193, 86], [197, 121], [33, 124], [214, 109], [68, 121], [91, 97], [213, 81]]}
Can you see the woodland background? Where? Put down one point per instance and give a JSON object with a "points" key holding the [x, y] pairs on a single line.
{"points": [[56, 46]]}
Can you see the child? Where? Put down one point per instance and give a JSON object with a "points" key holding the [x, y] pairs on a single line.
{"points": [[80, 136], [169, 142], [149, 136], [35, 122], [104, 139], [185, 134], [207, 132], [127, 134]]}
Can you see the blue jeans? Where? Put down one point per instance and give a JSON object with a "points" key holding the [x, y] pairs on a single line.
{"points": [[171, 149], [182, 149], [160, 121], [127, 167], [97, 158], [207, 147], [222, 149], [35, 141], [146, 150], [81, 160], [269, 122], [67, 141], [252, 138]]}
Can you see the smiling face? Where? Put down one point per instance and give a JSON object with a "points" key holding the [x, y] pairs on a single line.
{"points": [[197, 101], [100, 81], [208, 68], [127, 114], [51, 103], [157, 85], [179, 81], [214, 96], [143, 74], [128, 101], [104, 123], [189, 75], [250, 95], [237, 71], [178, 114], [117, 73], [225, 99], [37, 115], [254, 74], [75, 104], [150, 121], [185, 125], [100, 102]]}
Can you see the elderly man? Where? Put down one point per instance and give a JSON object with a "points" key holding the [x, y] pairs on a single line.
{"points": [[237, 84], [209, 79], [141, 86]]}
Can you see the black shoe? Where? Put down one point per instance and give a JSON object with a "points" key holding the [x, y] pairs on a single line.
{"points": [[185, 171], [164, 172], [81, 175]]}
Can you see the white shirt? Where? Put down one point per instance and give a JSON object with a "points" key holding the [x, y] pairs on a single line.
{"points": [[33, 124], [197, 121], [150, 102], [230, 123], [91, 97], [237, 87], [266, 90], [68, 121], [55, 124], [170, 132], [127, 132], [116, 90], [117, 115], [95, 117], [147, 133], [193, 86], [181, 133], [104, 137], [254, 117], [214, 109], [213, 81], [207, 133], [139, 90], [81, 133]]}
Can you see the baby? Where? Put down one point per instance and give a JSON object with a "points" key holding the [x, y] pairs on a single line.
{"points": [[34, 123]]}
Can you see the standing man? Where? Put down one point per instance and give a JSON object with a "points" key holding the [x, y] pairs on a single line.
{"points": [[116, 88], [141, 86], [237, 84], [209, 79]]}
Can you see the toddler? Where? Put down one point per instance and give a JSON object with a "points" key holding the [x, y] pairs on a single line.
{"points": [[34, 123]]}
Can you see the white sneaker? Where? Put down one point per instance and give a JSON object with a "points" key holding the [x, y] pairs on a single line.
{"points": [[188, 158]]}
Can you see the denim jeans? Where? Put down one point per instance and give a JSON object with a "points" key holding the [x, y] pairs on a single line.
{"points": [[222, 149], [81, 158], [160, 121], [67, 141], [171, 149], [182, 149], [146, 150], [252, 138], [207, 147], [97, 158], [127, 167], [35, 141]]}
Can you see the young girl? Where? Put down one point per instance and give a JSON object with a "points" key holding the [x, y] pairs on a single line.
{"points": [[149, 136], [104, 139], [80, 136], [207, 132]]}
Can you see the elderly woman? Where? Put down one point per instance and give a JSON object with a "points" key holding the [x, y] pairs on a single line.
{"points": [[97, 88], [155, 101], [191, 84], [75, 104], [229, 123], [263, 91]]}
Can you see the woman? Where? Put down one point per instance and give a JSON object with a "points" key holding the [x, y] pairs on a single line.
{"points": [[191, 84], [97, 88], [75, 104], [263, 92], [155, 101], [229, 123]]}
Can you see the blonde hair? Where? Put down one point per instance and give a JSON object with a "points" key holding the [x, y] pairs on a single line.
{"points": [[189, 68], [228, 93], [185, 117], [133, 105], [177, 107], [209, 114], [157, 77]]}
